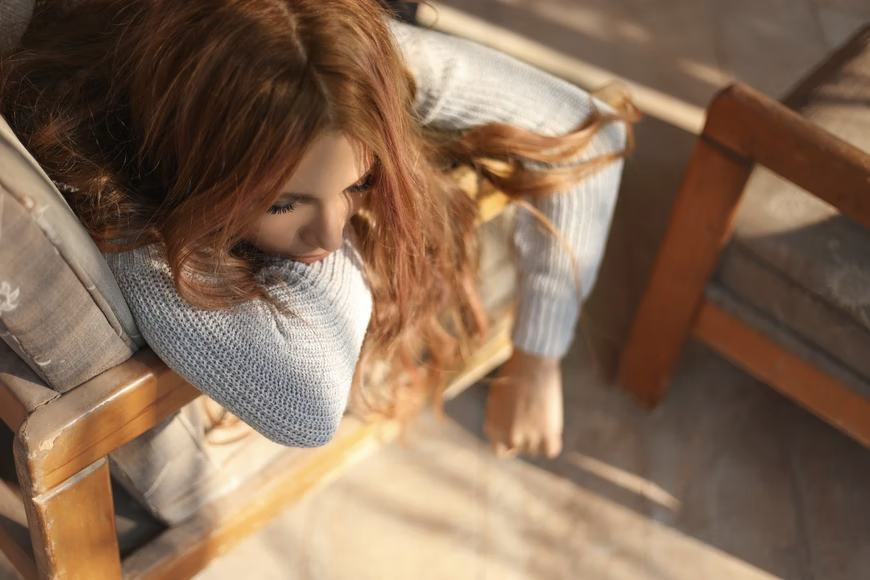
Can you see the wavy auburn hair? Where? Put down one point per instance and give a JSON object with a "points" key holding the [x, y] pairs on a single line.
{"points": [[179, 122]]}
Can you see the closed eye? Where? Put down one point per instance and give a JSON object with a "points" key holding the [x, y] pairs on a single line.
{"points": [[281, 209], [365, 184]]}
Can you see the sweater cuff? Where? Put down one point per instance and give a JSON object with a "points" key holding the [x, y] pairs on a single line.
{"points": [[545, 326]]}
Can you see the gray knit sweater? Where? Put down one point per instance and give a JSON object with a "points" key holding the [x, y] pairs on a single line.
{"points": [[289, 377]]}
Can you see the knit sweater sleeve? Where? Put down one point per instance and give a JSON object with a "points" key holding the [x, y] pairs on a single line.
{"points": [[285, 370], [462, 84]]}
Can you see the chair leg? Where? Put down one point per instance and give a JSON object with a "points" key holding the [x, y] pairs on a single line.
{"points": [[700, 226], [72, 526]]}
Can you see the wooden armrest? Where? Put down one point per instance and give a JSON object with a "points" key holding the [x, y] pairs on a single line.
{"points": [[62, 437], [491, 202], [746, 124]]}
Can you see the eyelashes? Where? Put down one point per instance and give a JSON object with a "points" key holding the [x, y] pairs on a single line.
{"points": [[281, 209], [359, 188], [364, 186]]}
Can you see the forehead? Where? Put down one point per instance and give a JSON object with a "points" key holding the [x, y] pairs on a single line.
{"points": [[332, 163]]}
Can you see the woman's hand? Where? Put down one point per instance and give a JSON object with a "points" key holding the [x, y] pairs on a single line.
{"points": [[524, 408]]}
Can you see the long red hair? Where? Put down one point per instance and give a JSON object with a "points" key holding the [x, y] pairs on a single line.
{"points": [[179, 122]]}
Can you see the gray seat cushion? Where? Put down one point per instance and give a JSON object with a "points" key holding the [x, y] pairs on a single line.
{"points": [[61, 310], [794, 257]]}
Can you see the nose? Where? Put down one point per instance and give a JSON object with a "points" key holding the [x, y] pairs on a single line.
{"points": [[329, 228]]}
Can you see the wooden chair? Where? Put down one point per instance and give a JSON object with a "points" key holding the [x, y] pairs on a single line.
{"points": [[58, 520], [65, 497], [781, 285]]}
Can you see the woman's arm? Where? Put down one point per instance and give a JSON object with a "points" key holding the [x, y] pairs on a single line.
{"points": [[287, 376], [462, 84]]}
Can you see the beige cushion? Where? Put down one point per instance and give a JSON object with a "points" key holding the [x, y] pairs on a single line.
{"points": [[797, 259], [60, 307]]}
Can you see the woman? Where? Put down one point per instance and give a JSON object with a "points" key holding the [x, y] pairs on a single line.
{"points": [[268, 182]]}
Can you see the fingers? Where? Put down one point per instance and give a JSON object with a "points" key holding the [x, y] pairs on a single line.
{"points": [[515, 424], [530, 445], [502, 451], [553, 446], [517, 439], [515, 443], [549, 446]]}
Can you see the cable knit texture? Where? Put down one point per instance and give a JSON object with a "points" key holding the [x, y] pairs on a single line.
{"points": [[289, 376]]}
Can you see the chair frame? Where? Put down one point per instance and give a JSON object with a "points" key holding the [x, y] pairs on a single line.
{"points": [[60, 454], [743, 128], [65, 497]]}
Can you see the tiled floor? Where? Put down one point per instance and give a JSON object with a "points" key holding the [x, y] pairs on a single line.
{"points": [[726, 480]]}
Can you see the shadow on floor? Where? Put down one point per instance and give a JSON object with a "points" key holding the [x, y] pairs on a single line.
{"points": [[725, 459]]}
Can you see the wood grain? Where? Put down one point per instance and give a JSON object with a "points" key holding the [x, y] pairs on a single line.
{"points": [[699, 227], [12, 412], [803, 382], [14, 538], [21, 389], [765, 132], [72, 527], [69, 433]]}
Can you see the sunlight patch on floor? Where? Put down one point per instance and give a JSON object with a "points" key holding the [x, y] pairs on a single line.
{"points": [[652, 102]]}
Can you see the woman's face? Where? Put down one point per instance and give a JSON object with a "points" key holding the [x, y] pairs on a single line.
{"points": [[306, 222]]}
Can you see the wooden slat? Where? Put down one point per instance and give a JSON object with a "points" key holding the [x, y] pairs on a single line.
{"points": [[18, 555], [811, 387], [12, 412], [492, 205], [186, 549], [765, 132], [14, 535], [494, 353], [87, 423], [21, 389], [72, 527], [492, 202], [699, 227]]}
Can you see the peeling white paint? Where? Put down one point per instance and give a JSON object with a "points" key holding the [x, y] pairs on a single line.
{"points": [[48, 444]]}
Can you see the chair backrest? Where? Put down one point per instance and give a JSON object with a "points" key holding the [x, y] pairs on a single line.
{"points": [[60, 307]]}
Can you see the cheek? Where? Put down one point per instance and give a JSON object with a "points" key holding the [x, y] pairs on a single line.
{"points": [[277, 233]]}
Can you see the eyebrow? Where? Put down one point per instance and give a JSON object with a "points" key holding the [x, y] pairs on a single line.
{"points": [[311, 197]]}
